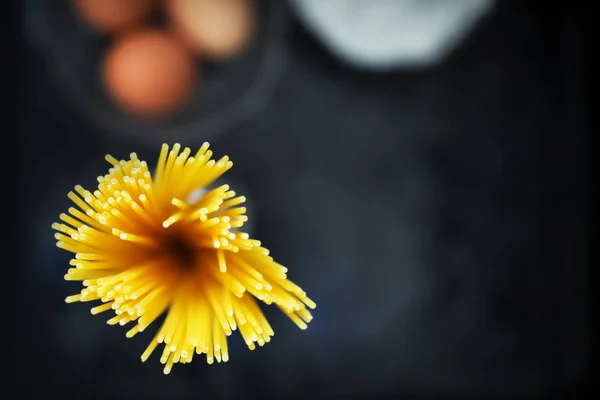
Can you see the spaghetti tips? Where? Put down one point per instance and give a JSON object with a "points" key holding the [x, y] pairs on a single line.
{"points": [[148, 244]]}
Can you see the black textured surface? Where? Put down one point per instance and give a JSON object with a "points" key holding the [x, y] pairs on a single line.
{"points": [[436, 217]]}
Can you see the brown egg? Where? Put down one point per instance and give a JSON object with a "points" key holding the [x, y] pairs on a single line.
{"points": [[109, 16], [218, 29], [149, 73]]}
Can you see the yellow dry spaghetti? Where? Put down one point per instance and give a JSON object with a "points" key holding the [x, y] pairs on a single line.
{"points": [[148, 244]]}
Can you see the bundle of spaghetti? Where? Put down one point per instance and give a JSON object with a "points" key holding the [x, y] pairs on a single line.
{"points": [[173, 243]]}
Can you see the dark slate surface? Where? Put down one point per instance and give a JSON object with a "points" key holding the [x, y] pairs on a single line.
{"points": [[412, 206]]}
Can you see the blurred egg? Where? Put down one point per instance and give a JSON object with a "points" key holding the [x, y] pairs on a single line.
{"points": [[149, 73], [218, 29], [109, 16]]}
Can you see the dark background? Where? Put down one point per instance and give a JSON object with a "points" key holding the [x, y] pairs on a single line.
{"points": [[439, 218]]}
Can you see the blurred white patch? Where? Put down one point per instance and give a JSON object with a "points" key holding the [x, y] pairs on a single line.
{"points": [[195, 196], [382, 34]]}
